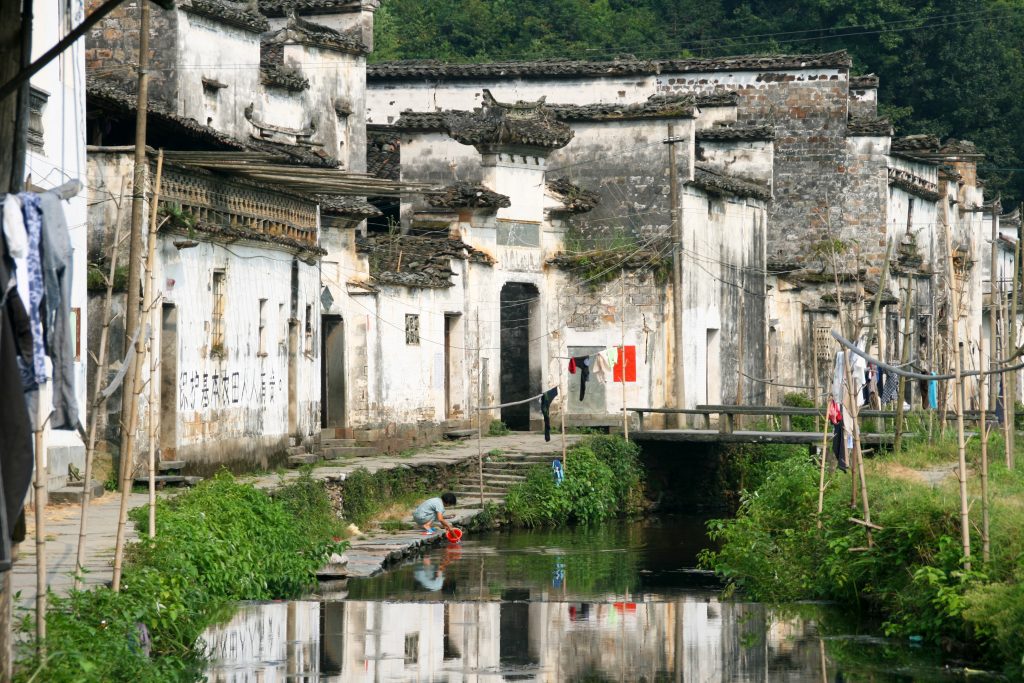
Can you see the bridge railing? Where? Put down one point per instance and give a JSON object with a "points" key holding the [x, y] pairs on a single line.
{"points": [[727, 414]]}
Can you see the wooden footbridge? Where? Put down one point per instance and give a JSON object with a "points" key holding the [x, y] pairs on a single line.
{"points": [[721, 424]]}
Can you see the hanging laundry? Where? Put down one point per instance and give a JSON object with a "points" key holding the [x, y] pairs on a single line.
{"points": [[834, 413], [583, 364], [572, 366], [870, 383], [57, 277], [933, 393], [1000, 409], [15, 428], [33, 215], [546, 399], [891, 388], [625, 365], [600, 367], [14, 228], [838, 381], [839, 445], [557, 472]]}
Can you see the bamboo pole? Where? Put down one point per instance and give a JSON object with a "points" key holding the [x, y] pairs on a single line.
{"points": [[965, 529], [858, 454], [132, 322], [127, 456], [1004, 379], [1010, 401], [992, 356], [858, 457], [904, 359], [98, 401], [622, 338], [479, 412], [821, 471], [984, 451], [39, 502], [151, 306]]}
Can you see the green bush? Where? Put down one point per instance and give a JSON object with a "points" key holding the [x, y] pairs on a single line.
{"points": [[498, 428], [800, 423], [603, 479], [219, 542], [913, 578]]}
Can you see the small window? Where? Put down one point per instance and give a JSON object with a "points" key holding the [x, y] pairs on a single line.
{"points": [[283, 322], [217, 326], [412, 648], [76, 332], [309, 330], [412, 328], [263, 328]]}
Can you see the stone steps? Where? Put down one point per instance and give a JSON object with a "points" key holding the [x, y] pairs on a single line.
{"points": [[304, 459], [470, 496], [335, 452], [336, 443], [162, 480], [73, 492]]}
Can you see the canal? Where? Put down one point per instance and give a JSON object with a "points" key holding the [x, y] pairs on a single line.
{"points": [[622, 602]]}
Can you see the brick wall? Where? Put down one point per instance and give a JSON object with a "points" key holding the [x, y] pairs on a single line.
{"points": [[112, 50], [809, 110]]}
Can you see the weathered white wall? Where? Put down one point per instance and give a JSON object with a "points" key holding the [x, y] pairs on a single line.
{"points": [[211, 49], [63, 159], [233, 406], [387, 100]]}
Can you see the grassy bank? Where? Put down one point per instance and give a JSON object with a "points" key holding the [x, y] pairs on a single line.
{"points": [[603, 480], [914, 577], [217, 543]]}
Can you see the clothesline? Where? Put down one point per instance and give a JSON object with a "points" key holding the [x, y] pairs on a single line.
{"points": [[512, 403], [914, 375]]}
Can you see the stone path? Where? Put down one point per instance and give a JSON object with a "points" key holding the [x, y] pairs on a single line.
{"points": [[366, 556]]}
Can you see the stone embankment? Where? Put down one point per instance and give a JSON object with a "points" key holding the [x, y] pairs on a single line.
{"points": [[367, 555], [506, 461]]}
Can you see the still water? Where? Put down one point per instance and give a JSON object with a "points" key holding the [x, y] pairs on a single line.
{"points": [[615, 603]]}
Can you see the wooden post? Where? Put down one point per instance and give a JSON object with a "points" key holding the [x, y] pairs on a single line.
{"points": [[821, 472], [958, 393], [151, 307], [97, 402], [479, 412], [1010, 399], [904, 359], [132, 312], [678, 358], [622, 338], [42, 429], [983, 430], [992, 309], [858, 454], [127, 457]]}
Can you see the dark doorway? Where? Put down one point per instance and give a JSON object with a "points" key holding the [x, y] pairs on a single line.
{"points": [[450, 320], [332, 384], [169, 383], [520, 369]]}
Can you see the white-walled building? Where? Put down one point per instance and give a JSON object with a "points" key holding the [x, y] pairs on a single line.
{"points": [[56, 155]]}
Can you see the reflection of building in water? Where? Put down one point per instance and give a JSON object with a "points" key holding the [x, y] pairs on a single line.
{"points": [[689, 639]]}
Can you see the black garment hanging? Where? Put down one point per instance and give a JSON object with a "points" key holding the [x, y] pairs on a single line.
{"points": [[546, 399], [15, 434], [839, 445], [583, 365]]}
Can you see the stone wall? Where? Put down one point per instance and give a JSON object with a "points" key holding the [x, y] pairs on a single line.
{"points": [[112, 50]]}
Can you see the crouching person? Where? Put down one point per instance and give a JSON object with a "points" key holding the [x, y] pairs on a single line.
{"points": [[431, 512]]}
